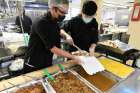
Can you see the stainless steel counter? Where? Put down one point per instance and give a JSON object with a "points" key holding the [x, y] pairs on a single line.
{"points": [[130, 85]]}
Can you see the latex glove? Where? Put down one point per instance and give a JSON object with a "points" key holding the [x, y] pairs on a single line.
{"points": [[69, 40], [91, 51]]}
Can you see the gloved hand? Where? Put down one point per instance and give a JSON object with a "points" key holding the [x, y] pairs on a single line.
{"points": [[69, 40], [91, 51]]}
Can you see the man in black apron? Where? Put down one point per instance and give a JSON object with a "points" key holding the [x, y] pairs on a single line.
{"points": [[45, 38], [84, 28]]}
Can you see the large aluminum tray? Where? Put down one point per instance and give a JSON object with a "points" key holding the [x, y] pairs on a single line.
{"points": [[104, 73], [78, 77], [11, 90]]}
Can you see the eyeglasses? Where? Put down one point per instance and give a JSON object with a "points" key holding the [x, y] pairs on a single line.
{"points": [[61, 11]]}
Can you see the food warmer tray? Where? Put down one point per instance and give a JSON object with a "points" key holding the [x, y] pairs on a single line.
{"points": [[31, 83], [90, 86]]}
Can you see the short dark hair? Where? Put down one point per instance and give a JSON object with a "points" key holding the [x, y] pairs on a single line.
{"points": [[57, 2], [89, 8]]}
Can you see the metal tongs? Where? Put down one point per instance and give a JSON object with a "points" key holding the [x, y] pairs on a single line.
{"points": [[74, 45], [77, 47]]}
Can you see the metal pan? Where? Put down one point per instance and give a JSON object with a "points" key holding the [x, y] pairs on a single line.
{"points": [[14, 89], [98, 80], [77, 76]]}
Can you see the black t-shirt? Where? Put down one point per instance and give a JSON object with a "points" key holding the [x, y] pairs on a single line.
{"points": [[26, 22], [83, 34], [45, 34]]}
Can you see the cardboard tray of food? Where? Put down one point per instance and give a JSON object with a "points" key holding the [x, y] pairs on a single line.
{"points": [[70, 82]]}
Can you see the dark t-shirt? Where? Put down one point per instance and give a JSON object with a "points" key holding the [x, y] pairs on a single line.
{"points": [[83, 34], [45, 34], [26, 22]]}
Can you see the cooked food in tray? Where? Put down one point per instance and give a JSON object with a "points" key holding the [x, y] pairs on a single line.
{"points": [[110, 43], [117, 68], [69, 83], [80, 53], [99, 80], [36, 88]]}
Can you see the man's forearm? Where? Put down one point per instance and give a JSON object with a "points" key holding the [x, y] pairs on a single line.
{"points": [[61, 52], [92, 49]]}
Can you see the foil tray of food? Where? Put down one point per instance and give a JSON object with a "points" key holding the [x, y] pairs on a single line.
{"points": [[80, 53], [36, 86], [101, 80], [112, 66], [70, 82]]}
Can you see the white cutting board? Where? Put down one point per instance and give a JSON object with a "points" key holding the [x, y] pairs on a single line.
{"points": [[91, 65]]}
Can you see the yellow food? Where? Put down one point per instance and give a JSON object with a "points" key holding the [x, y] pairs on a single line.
{"points": [[117, 68]]}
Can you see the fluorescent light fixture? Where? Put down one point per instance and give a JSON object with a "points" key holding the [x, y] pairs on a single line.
{"points": [[113, 5]]}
